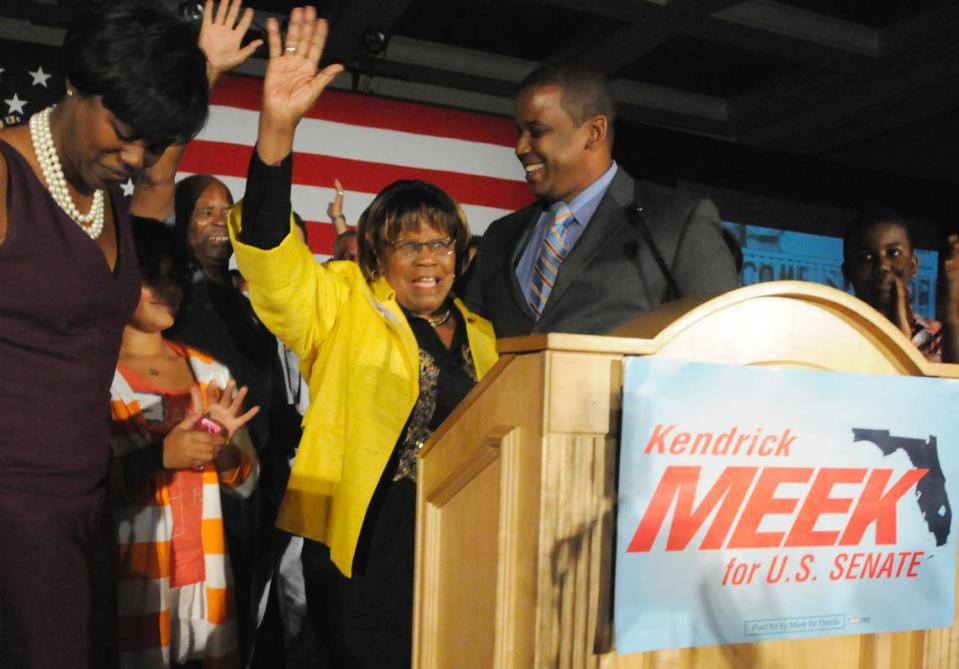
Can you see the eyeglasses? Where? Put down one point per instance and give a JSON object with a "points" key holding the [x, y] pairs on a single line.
{"points": [[409, 249]]}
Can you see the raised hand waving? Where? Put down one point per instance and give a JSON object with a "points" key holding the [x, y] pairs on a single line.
{"points": [[293, 82], [221, 37]]}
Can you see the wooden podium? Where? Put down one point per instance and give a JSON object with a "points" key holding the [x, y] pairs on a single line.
{"points": [[515, 514]]}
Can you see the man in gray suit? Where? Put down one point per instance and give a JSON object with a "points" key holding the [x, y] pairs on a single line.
{"points": [[578, 260]]}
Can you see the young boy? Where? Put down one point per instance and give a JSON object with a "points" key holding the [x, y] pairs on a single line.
{"points": [[879, 263]]}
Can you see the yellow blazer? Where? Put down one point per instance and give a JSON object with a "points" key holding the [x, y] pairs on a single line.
{"points": [[361, 361]]}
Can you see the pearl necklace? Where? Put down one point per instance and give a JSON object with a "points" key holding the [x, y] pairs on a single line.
{"points": [[42, 138]]}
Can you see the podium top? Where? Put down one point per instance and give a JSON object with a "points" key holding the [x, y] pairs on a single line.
{"points": [[738, 325]]}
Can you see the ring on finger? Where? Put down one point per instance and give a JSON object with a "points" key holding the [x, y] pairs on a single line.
{"points": [[290, 49]]}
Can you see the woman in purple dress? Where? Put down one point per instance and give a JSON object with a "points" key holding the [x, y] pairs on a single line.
{"points": [[136, 83]]}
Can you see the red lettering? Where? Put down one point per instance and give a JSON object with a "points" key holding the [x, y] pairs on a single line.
{"points": [[723, 442], [875, 565], [902, 563], [875, 507], [913, 564], [853, 565], [680, 484], [784, 443], [762, 502], [701, 444], [679, 443], [885, 571], [818, 502], [663, 440], [679, 487], [658, 439], [871, 566], [838, 566]]}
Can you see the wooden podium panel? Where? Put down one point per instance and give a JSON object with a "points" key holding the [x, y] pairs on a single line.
{"points": [[475, 584], [516, 494]]}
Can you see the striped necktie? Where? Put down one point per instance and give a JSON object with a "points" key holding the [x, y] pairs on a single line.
{"points": [[555, 248]]}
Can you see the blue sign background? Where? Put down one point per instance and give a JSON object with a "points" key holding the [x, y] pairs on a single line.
{"points": [[776, 255], [673, 599]]}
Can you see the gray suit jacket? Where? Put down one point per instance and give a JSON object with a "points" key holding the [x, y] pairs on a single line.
{"points": [[610, 275]]}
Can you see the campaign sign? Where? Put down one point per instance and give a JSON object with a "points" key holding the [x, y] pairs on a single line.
{"points": [[760, 503]]}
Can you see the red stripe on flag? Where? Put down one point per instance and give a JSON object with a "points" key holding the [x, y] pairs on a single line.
{"points": [[317, 170], [320, 236], [373, 112]]}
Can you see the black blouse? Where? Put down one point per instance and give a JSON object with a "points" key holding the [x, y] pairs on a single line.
{"points": [[446, 376]]}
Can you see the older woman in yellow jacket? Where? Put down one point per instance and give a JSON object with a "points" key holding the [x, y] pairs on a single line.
{"points": [[387, 353]]}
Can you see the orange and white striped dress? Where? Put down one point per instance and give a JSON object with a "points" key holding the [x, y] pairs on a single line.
{"points": [[161, 620]]}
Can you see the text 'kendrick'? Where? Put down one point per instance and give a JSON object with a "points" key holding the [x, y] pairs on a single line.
{"points": [[732, 442]]}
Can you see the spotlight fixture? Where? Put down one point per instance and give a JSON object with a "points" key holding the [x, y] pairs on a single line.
{"points": [[191, 10], [374, 40]]}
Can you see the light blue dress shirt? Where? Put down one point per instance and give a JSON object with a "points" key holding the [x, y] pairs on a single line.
{"points": [[583, 207]]}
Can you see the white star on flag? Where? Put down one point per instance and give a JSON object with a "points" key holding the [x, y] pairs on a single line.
{"points": [[39, 77], [15, 105], [127, 187]]}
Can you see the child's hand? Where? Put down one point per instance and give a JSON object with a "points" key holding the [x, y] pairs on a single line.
{"points": [[225, 407], [186, 447]]}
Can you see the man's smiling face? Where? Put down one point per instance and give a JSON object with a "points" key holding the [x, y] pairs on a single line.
{"points": [[207, 236], [551, 146]]}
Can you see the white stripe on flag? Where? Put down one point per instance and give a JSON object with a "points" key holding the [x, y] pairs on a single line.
{"points": [[310, 203], [392, 147]]}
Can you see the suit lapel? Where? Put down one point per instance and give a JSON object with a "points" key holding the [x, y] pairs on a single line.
{"points": [[603, 227], [517, 246]]}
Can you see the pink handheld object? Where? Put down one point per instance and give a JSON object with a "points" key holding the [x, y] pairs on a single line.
{"points": [[207, 424]]}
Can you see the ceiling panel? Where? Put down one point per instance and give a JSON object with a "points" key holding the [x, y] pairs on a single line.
{"points": [[859, 81], [709, 68], [871, 13], [505, 27]]}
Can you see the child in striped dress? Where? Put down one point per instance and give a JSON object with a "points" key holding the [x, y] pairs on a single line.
{"points": [[174, 572]]}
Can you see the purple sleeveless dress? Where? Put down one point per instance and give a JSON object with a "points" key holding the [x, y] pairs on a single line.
{"points": [[62, 313]]}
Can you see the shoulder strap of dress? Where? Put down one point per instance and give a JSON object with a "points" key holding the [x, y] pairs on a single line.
{"points": [[14, 159]]}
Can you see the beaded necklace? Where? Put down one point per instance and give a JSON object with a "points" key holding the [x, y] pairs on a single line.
{"points": [[437, 321], [42, 138]]}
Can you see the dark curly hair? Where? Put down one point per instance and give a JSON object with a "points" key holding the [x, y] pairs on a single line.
{"points": [[162, 259], [401, 207], [145, 65]]}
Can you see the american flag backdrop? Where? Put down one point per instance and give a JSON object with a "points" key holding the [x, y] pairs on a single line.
{"points": [[367, 143], [29, 80], [364, 141]]}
